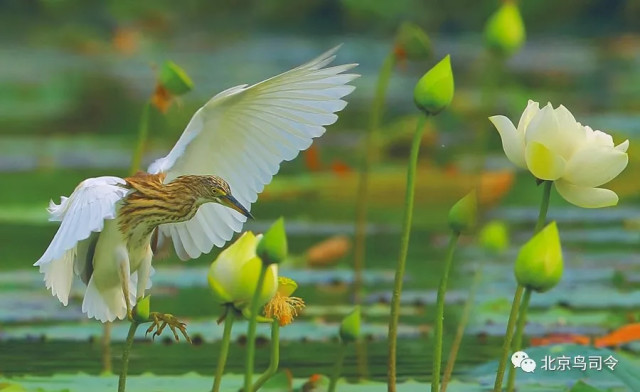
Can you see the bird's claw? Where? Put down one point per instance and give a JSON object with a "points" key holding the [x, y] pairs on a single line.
{"points": [[159, 321]]}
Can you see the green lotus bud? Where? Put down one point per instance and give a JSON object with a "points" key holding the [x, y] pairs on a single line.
{"points": [[175, 79], [463, 214], [504, 32], [272, 249], [434, 90], [412, 42], [350, 326], [539, 263], [494, 237], [142, 309]]}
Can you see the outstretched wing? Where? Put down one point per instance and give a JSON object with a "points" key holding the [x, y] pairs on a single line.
{"points": [[82, 213], [243, 134]]}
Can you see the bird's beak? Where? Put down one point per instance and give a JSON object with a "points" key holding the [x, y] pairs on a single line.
{"points": [[231, 202]]}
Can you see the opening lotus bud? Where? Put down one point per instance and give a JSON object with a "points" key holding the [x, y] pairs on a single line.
{"points": [[233, 276], [494, 237], [175, 79], [283, 307], [350, 326], [539, 263], [504, 32], [463, 214], [272, 249], [434, 90], [412, 42]]}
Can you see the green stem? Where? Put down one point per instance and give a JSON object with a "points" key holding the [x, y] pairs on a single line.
{"points": [[251, 334], [506, 346], [143, 131], [224, 349], [455, 346], [362, 197], [544, 206], [337, 370], [122, 382], [517, 340], [402, 259], [515, 305], [439, 322], [275, 356]]}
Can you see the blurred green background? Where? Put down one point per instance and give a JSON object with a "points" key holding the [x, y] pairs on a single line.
{"points": [[74, 76]]}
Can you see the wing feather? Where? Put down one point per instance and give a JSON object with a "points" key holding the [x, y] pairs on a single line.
{"points": [[243, 134], [81, 214]]}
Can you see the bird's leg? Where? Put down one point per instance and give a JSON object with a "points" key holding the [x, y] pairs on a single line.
{"points": [[124, 272], [143, 275], [160, 320]]}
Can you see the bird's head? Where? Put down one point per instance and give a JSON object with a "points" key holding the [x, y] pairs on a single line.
{"points": [[215, 189]]}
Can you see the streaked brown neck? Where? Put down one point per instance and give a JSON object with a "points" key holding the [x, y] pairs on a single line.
{"points": [[153, 203]]}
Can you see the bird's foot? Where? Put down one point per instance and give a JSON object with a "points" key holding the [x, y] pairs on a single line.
{"points": [[160, 320]]}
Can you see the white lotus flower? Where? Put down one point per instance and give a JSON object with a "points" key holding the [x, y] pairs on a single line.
{"points": [[553, 146]]}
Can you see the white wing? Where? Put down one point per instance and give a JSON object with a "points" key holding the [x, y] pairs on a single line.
{"points": [[84, 212], [243, 134]]}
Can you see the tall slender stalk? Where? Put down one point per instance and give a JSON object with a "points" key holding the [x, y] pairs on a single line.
{"points": [[275, 356], [517, 339], [251, 334], [224, 348], [143, 132], [506, 346], [337, 370], [404, 247], [455, 346], [362, 197], [439, 322], [516, 304], [122, 381], [524, 306]]}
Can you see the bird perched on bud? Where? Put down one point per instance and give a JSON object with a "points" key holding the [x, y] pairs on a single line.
{"points": [[198, 195]]}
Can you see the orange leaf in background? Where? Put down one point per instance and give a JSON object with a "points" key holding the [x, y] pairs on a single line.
{"points": [[125, 40], [560, 339], [494, 185], [340, 168], [329, 251], [161, 98], [312, 158], [622, 335]]}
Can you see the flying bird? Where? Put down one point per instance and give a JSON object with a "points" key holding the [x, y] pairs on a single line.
{"points": [[198, 195]]}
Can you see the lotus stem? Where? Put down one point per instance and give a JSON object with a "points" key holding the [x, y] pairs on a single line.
{"points": [[224, 349], [517, 340], [337, 370], [143, 132], [251, 334], [455, 346], [275, 356], [439, 322], [404, 247], [362, 197], [122, 381], [515, 305]]}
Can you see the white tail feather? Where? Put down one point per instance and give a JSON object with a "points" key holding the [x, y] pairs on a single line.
{"points": [[105, 305], [58, 275]]}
